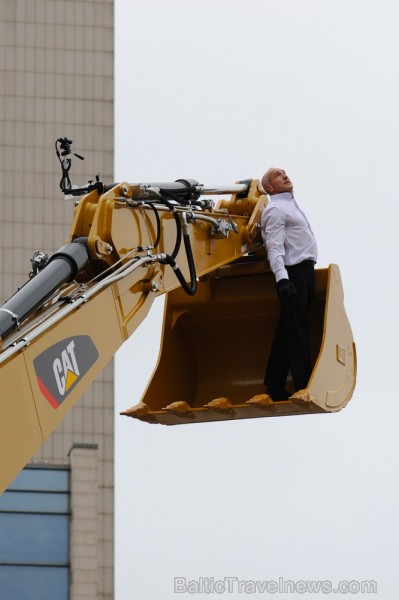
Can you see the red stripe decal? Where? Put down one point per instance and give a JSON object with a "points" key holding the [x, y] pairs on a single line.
{"points": [[47, 394]]}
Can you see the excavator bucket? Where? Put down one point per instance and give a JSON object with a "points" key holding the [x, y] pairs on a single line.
{"points": [[215, 347]]}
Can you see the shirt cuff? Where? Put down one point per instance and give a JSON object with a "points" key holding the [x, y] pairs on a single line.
{"points": [[281, 274]]}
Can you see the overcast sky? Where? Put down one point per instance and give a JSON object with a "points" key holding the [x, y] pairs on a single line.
{"points": [[219, 90]]}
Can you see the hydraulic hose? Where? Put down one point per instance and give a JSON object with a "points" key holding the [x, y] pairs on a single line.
{"points": [[191, 264], [158, 222], [170, 260], [62, 267], [172, 208]]}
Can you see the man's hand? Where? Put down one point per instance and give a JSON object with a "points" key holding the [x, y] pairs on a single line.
{"points": [[286, 289]]}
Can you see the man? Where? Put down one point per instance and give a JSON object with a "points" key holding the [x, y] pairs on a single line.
{"points": [[292, 252]]}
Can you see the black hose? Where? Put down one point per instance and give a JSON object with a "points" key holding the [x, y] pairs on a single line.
{"points": [[158, 221], [189, 289], [170, 258], [191, 264], [172, 208]]}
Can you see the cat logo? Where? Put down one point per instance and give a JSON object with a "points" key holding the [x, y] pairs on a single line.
{"points": [[66, 370], [61, 367]]}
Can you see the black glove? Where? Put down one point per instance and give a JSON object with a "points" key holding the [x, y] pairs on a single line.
{"points": [[286, 289]]}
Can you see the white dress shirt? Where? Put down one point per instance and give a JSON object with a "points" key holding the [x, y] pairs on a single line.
{"points": [[287, 234]]}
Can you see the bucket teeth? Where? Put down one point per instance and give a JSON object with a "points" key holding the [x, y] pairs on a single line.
{"points": [[138, 410], [178, 407], [260, 400], [301, 397], [219, 404]]}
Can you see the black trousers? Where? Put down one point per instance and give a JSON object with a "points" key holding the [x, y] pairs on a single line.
{"points": [[291, 348]]}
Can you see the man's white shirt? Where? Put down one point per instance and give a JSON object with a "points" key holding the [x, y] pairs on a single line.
{"points": [[287, 234]]}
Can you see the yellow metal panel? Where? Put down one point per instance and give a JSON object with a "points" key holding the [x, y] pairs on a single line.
{"points": [[334, 376], [19, 424], [30, 406], [98, 321]]}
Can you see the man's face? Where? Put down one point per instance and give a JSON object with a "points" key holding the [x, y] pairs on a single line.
{"points": [[278, 182]]}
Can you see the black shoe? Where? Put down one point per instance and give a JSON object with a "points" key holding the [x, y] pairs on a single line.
{"points": [[278, 396]]}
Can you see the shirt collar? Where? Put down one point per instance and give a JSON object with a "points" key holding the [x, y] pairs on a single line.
{"points": [[283, 196]]}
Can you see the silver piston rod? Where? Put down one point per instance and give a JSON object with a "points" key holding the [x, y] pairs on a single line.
{"points": [[191, 186]]}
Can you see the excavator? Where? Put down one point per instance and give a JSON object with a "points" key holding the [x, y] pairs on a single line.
{"points": [[128, 244]]}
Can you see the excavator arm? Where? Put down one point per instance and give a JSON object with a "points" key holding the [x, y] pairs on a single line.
{"points": [[128, 244]]}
